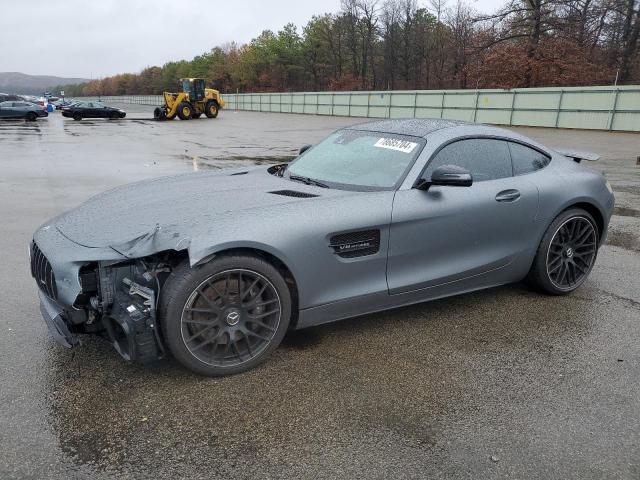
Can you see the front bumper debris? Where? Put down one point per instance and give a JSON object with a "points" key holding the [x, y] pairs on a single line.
{"points": [[54, 317]]}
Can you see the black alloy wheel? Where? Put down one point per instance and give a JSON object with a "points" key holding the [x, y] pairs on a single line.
{"points": [[571, 253], [566, 253], [231, 317], [226, 316]]}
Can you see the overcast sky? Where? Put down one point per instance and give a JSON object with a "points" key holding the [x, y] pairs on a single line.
{"points": [[95, 38]]}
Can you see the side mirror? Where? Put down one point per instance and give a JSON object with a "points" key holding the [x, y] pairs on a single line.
{"points": [[447, 175], [303, 149]]}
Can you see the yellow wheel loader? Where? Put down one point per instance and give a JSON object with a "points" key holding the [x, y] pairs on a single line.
{"points": [[192, 102]]}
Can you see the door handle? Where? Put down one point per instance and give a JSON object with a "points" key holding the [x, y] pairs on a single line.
{"points": [[510, 195]]}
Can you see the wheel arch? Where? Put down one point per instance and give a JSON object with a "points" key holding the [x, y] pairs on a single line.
{"points": [[592, 210], [585, 204]]}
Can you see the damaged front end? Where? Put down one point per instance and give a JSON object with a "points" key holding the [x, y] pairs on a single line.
{"points": [[121, 303], [117, 300]]}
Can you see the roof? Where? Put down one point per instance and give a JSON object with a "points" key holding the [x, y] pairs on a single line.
{"points": [[417, 127]]}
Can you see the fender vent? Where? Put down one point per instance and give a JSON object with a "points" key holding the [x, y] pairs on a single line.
{"points": [[356, 244], [237, 173], [293, 193]]}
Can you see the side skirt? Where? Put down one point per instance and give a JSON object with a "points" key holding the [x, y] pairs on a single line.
{"points": [[378, 302]]}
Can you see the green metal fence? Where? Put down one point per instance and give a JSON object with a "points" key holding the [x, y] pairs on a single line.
{"points": [[603, 108]]}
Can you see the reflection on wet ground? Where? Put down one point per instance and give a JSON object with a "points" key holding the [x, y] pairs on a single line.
{"points": [[212, 162], [626, 212], [410, 387], [503, 383], [627, 240]]}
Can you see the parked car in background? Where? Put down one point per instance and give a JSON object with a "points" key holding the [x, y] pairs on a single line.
{"points": [[33, 99], [92, 110], [60, 104], [22, 109], [67, 105], [10, 97]]}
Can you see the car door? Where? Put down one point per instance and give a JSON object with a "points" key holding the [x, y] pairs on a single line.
{"points": [[88, 110], [17, 109], [447, 234], [100, 110]]}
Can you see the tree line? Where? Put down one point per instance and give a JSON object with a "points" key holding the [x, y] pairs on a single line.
{"points": [[400, 44]]}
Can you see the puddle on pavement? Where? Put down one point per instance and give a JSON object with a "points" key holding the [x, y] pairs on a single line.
{"points": [[625, 240], [112, 416], [214, 162], [632, 189], [19, 129], [626, 212]]}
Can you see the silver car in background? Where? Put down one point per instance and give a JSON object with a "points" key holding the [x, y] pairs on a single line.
{"points": [[215, 267], [22, 109]]}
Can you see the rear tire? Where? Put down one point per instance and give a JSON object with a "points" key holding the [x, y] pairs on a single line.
{"points": [[566, 253], [185, 111], [238, 307], [211, 109]]}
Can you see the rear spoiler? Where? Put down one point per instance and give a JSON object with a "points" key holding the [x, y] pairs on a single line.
{"points": [[577, 155]]}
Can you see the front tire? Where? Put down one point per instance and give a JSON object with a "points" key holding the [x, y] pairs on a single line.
{"points": [[159, 114], [31, 117], [566, 253], [77, 116], [185, 111], [226, 316]]}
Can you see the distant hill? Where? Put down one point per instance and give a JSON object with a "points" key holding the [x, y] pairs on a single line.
{"points": [[16, 82]]}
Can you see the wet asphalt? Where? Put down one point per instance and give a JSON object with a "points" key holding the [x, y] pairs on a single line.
{"points": [[503, 383]]}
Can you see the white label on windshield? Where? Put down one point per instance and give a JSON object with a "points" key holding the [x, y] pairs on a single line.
{"points": [[395, 144]]}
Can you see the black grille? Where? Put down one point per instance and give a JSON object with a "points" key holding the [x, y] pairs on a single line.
{"points": [[293, 193], [43, 273], [356, 244]]}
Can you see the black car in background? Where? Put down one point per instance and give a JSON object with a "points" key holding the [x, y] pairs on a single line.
{"points": [[82, 110]]}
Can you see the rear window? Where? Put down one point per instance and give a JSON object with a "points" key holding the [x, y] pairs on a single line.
{"points": [[527, 160]]}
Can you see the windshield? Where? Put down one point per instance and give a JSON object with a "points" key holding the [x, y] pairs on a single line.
{"points": [[354, 158]]}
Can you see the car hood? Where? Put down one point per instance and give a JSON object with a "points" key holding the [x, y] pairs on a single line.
{"points": [[168, 211]]}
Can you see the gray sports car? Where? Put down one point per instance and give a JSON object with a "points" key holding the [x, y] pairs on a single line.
{"points": [[21, 109], [216, 267]]}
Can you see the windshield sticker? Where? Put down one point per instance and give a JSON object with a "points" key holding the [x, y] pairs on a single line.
{"points": [[395, 144]]}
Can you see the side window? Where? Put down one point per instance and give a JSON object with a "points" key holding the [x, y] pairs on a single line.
{"points": [[526, 160], [485, 158]]}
